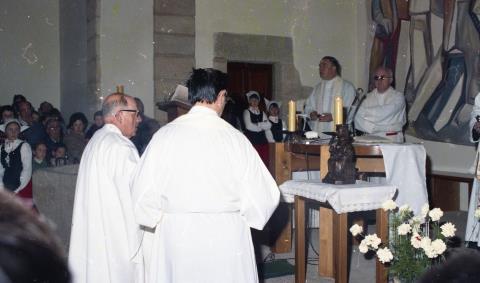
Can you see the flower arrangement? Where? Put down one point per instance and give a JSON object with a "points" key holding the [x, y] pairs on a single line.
{"points": [[415, 243]]}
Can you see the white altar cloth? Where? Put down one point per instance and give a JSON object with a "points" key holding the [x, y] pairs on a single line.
{"points": [[342, 198]]}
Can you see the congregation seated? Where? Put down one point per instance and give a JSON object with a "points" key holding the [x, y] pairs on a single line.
{"points": [[59, 156], [35, 132], [39, 159], [54, 137]]}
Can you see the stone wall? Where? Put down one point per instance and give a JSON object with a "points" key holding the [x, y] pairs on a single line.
{"points": [[174, 53]]}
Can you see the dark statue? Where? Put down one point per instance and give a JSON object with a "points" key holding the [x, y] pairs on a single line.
{"points": [[341, 164]]}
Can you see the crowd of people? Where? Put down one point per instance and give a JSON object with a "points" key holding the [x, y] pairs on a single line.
{"points": [[150, 204]]}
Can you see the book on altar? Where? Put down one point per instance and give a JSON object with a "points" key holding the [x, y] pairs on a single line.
{"points": [[180, 95]]}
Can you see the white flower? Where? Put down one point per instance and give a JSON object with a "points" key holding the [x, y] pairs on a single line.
{"points": [[430, 251], [389, 205], [439, 246], [435, 214], [363, 248], [425, 242], [448, 229], [384, 255], [404, 229], [477, 213], [425, 209], [372, 241], [404, 208], [356, 229], [416, 241]]}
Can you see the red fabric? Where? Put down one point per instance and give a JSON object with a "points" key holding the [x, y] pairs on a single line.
{"points": [[263, 151], [27, 191]]}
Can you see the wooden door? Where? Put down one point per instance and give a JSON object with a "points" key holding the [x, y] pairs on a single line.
{"points": [[243, 77]]}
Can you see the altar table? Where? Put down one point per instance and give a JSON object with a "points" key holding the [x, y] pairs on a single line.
{"points": [[286, 158]]}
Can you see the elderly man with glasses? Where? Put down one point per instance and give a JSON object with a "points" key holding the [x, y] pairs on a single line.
{"points": [[105, 237], [382, 112], [319, 105]]}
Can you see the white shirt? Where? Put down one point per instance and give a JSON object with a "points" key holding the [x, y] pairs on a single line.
{"points": [[201, 185], [382, 113], [104, 236], [26, 157], [322, 99]]}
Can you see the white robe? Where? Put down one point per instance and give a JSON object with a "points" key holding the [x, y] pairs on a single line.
{"points": [[472, 232], [105, 236], [322, 99], [382, 113], [202, 185]]}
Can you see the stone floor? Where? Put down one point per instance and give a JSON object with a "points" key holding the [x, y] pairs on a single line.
{"points": [[361, 269]]}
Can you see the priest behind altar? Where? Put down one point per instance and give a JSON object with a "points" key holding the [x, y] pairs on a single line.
{"points": [[104, 242], [319, 105], [382, 111], [201, 186]]}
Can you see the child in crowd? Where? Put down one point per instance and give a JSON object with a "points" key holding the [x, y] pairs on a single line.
{"points": [[39, 157], [275, 134], [59, 156]]}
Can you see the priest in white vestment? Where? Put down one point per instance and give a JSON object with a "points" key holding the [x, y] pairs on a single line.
{"points": [[472, 233], [319, 105], [200, 187], [104, 242], [382, 111]]}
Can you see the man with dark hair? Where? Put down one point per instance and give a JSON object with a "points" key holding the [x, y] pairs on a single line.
{"points": [[319, 105], [105, 238], [200, 187]]}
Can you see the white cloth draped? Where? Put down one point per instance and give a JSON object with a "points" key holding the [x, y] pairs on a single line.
{"points": [[201, 185], [405, 169], [343, 198], [322, 98], [105, 237], [381, 113]]}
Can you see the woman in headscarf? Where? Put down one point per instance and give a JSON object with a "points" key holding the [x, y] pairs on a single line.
{"points": [[16, 162], [256, 124]]}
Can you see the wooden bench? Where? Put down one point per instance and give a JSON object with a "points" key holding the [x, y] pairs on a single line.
{"points": [[444, 188]]}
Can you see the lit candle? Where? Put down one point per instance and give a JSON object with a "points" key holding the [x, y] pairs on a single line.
{"points": [[291, 115], [338, 111], [120, 89]]}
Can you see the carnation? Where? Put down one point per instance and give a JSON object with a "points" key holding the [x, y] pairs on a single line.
{"points": [[448, 230], [405, 207], [404, 229], [425, 242], [439, 246], [356, 229], [416, 241], [477, 213], [384, 255], [373, 241], [363, 248], [389, 205], [425, 210], [435, 214], [430, 251]]}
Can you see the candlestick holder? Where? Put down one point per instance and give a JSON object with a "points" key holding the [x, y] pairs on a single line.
{"points": [[341, 164]]}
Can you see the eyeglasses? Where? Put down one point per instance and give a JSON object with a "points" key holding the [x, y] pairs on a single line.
{"points": [[137, 113], [381, 78]]}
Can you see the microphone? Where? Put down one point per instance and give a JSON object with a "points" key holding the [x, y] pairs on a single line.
{"points": [[357, 101]]}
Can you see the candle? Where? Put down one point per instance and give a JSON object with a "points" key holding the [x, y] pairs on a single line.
{"points": [[338, 111], [120, 89], [291, 115]]}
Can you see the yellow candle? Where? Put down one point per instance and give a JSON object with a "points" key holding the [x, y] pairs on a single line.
{"points": [[120, 89], [291, 115], [338, 111]]}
